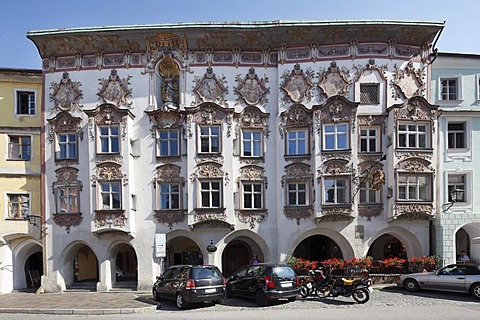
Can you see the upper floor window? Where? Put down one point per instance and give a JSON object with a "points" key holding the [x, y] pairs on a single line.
{"points": [[369, 93], [297, 142], [413, 136], [210, 139], [111, 195], [448, 89], [25, 102], [414, 187], [19, 148], [66, 145], [109, 141], [456, 135], [168, 143], [18, 205], [335, 136], [67, 199], [252, 143], [456, 188], [369, 140], [210, 194], [335, 190], [252, 195], [169, 196], [368, 194], [298, 194]]}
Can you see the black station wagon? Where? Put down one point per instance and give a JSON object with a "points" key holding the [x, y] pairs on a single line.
{"points": [[187, 284], [264, 283]]}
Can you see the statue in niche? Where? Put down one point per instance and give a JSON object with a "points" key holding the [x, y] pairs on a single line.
{"points": [[169, 74]]}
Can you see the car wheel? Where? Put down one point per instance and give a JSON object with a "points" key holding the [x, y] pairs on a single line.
{"points": [[155, 294], [217, 301], [361, 295], [180, 302], [291, 299], [476, 290], [260, 298], [411, 285]]}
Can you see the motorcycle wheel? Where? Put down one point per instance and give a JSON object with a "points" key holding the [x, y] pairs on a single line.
{"points": [[304, 292], [361, 295], [322, 292]]}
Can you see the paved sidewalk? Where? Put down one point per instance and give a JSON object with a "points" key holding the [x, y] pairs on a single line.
{"points": [[78, 303]]}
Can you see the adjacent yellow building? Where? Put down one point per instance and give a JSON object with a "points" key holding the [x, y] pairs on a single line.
{"points": [[20, 182]]}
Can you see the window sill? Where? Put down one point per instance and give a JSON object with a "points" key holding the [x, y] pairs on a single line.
{"points": [[449, 103]]}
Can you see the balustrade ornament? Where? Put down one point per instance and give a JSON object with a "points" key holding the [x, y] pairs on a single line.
{"points": [[66, 94]]}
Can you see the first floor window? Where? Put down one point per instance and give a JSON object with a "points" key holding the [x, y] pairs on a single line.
{"points": [[414, 187], [109, 139], [369, 140], [111, 195], [448, 90], [335, 190], [252, 196], [297, 194], [367, 193], [168, 143], [413, 136], [456, 135], [251, 143], [210, 194], [67, 146], [209, 139], [18, 206], [297, 142], [169, 196], [25, 102], [369, 93], [456, 188], [335, 136], [19, 148], [67, 199]]}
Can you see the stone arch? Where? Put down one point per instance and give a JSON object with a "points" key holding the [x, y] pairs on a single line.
{"points": [[66, 263], [469, 241], [21, 253], [412, 245], [123, 264], [343, 244], [182, 247]]}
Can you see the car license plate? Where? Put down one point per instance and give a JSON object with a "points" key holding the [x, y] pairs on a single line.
{"points": [[210, 290], [286, 285]]}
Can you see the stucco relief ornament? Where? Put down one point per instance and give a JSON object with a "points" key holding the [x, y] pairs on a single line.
{"points": [[334, 81], [371, 66], [115, 90], [297, 85], [66, 94], [408, 82], [210, 89], [251, 89]]}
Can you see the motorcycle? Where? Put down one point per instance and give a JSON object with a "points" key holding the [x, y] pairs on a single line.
{"points": [[312, 282], [358, 289]]}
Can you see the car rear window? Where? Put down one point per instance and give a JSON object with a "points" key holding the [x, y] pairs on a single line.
{"points": [[283, 272], [206, 273]]}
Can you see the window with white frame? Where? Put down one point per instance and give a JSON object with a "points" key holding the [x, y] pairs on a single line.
{"points": [[297, 141], [414, 187], [369, 140], [67, 199], [168, 142], [18, 205], [456, 135], [413, 135], [252, 195], [210, 141], [169, 196], [449, 89], [368, 195], [109, 140], [210, 194], [252, 141], [19, 148], [110, 195], [457, 188], [335, 190], [298, 194], [25, 103], [369, 93], [66, 146], [335, 136]]}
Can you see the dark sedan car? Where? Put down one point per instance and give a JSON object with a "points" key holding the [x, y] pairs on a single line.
{"points": [[454, 277], [264, 283], [187, 284]]}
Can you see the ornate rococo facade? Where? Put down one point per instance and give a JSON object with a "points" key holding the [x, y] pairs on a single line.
{"points": [[256, 137]]}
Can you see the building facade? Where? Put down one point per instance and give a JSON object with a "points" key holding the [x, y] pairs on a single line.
{"points": [[276, 139], [20, 238], [456, 90]]}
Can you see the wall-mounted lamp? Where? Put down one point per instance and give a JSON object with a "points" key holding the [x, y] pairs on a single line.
{"points": [[456, 195], [211, 248], [36, 221]]}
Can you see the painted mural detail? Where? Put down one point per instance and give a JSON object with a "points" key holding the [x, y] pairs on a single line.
{"points": [[66, 94], [297, 85], [408, 82], [371, 66], [334, 81], [169, 73], [115, 90], [209, 88], [251, 89]]}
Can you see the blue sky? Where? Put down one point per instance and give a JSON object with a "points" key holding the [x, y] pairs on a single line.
{"points": [[19, 16]]}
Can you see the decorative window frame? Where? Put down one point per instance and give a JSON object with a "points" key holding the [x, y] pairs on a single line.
{"points": [[464, 154], [67, 177], [368, 169], [372, 122], [298, 173], [459, 84], [167, 119], [255, 175], [297, 117], [169, 173], [460, 207], [371, 73], [428, 135], [252, 118], [65, 123]]}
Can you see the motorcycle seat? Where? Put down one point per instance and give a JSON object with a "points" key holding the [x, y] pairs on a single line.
{"points": [[347, 282]]}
